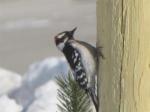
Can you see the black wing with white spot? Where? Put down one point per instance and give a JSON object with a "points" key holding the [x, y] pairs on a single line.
{"points": [[74, 59]]}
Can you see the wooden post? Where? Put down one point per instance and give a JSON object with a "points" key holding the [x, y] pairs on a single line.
{"points": [[124, 75]]}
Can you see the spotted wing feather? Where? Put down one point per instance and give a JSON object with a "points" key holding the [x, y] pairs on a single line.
{"points": [[74, 59]]}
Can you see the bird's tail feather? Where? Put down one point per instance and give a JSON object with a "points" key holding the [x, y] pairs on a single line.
{"points": [[94, 98]]}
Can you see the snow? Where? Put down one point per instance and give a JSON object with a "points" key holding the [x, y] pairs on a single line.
{"points": [[8, 81], [42, 72], [36, 91], [46, 98], [9, 105]]}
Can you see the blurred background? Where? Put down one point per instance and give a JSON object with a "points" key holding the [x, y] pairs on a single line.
{"points": [[29, 59], [27, 28]]}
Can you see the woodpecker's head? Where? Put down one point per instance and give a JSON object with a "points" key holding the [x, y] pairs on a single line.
{"points": [[63, 37]]}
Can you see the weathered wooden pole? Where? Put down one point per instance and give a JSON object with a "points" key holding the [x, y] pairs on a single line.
{"points": [[124, 75]]}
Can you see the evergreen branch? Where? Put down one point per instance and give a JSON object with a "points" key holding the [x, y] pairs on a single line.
{"points": [[70, 96]]}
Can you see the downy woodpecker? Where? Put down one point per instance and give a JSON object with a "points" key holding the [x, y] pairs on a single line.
{"points": [[82, 58]]}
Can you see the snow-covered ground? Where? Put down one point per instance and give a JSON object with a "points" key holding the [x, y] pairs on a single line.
{"points": [[36, 91], [8, 81]]}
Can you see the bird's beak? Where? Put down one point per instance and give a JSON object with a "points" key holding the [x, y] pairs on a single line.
{"points": [[72, 31]]}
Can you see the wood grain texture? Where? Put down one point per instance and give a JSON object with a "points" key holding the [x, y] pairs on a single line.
{"points": [[124, 75]]}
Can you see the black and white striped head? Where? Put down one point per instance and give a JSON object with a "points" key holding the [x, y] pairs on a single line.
{"points": [[63, 37]]}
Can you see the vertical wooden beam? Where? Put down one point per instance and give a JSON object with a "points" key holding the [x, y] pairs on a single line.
{"points": [[124, 75]]}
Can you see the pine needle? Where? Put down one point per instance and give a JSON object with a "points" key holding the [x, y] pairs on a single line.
{"points": [[70, 96]]}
